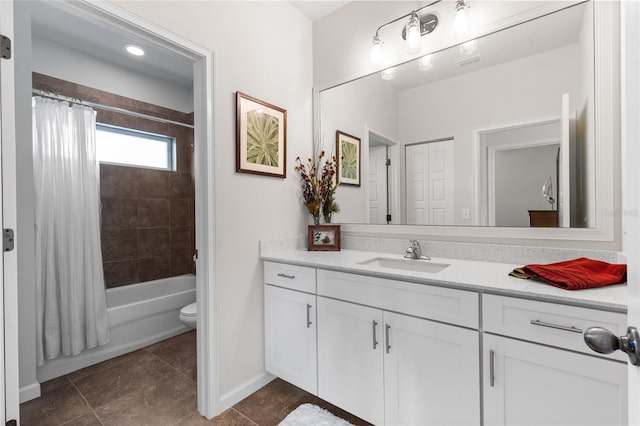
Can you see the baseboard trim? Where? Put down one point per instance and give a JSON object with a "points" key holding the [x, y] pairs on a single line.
{"points": [[29, 392], [229, 399]]}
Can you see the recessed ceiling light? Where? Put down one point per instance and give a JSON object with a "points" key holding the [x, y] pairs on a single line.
{"points": [[134, 50]]}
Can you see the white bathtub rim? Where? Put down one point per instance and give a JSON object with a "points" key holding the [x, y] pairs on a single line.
{"points": [[163, 282]]}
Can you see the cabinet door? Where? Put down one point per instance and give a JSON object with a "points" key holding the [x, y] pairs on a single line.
{"points": [[350, 350], [432, 373], [529, 384], [290, 336]]}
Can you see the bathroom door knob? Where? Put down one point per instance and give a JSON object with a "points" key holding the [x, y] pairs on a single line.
{"points": [[603, 341]]}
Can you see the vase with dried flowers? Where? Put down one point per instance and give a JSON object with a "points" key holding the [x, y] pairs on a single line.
{"points": [[318, 186]]}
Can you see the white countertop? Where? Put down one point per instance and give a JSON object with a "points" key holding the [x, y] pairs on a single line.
{"points": [[484, 277]]}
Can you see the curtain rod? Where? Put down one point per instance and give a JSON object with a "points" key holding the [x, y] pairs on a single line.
{"points": [[107, 108]]}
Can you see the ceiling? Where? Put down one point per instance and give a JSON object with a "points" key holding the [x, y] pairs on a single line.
{"points": [[106, 43], [315, 10]]}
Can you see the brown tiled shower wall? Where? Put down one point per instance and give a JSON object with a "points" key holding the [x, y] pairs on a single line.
{"points": [[148, 225]]}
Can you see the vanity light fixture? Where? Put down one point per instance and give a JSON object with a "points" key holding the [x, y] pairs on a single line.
{"points": [[388, 74], [461, 22], [425, 63], [416, 27], [134, 50]]}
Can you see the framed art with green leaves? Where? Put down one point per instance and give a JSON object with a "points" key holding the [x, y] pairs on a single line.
{"points": [[261, 137], [348, 155]]}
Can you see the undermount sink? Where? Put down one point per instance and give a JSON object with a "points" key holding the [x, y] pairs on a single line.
{"points": [[406, 264]]}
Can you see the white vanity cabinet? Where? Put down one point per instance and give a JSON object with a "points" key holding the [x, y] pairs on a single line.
{"points": [[534, 383], [391, 368], [290, 324], [395, 352]]}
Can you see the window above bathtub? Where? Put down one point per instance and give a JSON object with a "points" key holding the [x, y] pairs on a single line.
{"points": [[128, 147]]}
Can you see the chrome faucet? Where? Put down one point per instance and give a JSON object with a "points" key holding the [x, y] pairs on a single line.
{"points": [[414, 251]]}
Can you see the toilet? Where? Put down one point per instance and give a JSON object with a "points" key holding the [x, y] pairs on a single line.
{"points": [[189, 315]]}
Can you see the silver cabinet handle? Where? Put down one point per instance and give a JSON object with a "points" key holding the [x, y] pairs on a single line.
{"points": [[492, 377], [375, 338], [291, 277], [572, 329], [386, 335], [309, 315]]}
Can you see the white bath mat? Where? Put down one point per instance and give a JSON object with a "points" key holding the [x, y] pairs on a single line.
{"points": [[309, 414]]}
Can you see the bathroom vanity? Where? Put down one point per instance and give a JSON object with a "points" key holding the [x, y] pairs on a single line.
{"points": [[446, 341]]}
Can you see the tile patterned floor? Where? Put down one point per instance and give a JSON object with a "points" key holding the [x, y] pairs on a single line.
{"points": [[156, 386]]}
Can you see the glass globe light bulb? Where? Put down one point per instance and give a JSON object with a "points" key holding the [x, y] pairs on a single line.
{"points": [[376, 51], [413, 34]]}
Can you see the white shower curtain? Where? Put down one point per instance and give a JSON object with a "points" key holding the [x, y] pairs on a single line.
{"points": [[70, 294]]}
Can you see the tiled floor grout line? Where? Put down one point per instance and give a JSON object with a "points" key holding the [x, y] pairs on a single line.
{"points": [[180, 372], [85, 400], [239, 412]]}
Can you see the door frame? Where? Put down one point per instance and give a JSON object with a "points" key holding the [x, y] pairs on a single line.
{"points": [[491, 170], [109, 14], [480, 160], [393, 175], [204, 161], [630, 102]]}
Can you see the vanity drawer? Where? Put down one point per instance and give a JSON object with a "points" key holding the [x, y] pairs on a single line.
{"points": [[448, 305], [548, 323], [295, 277]]}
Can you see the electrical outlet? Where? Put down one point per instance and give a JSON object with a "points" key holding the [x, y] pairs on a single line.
{"points": [[465, 213]]}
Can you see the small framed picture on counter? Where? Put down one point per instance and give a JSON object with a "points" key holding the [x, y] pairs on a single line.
{"points": [[324, 238]]}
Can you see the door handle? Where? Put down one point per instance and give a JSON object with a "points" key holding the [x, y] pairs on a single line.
{"points": [[387, 328], [375, 338], [309, 315], [603, 341]]}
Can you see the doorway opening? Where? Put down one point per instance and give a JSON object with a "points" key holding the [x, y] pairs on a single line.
{"points": [[104, 19]]}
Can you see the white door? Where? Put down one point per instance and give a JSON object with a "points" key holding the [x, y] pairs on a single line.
{"points": [[9, 393], [350, 351], [290, 336], [529, 384], [432, 373], [441, 183], [378, 185], [416, 176], [567, 166], [429, 183]]}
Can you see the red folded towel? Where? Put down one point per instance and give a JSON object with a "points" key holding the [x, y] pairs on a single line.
{"points": [[579, 273]]}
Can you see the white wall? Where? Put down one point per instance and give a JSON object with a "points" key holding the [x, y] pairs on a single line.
{"points": [[525, 90], [72, 65], [354, 108], [262, 49]]}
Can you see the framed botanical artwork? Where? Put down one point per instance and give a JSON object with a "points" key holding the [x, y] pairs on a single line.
{"points": [[348, 155], [261, 137], [324, 238]]}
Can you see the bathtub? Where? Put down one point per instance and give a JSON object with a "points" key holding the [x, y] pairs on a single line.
{"points": [[139, 315]]}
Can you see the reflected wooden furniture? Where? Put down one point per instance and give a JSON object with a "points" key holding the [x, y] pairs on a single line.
{"points": [[543, 218]]}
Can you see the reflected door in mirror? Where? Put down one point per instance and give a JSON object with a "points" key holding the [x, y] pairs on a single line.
{"points": [[429, 183]]}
